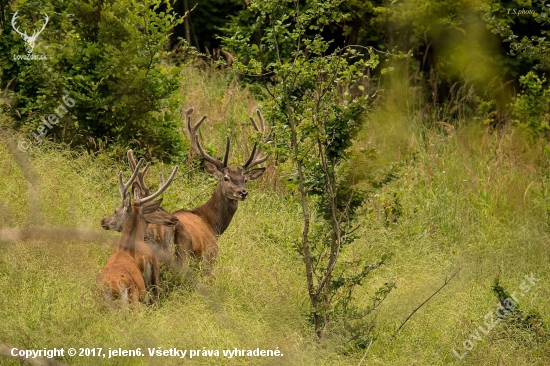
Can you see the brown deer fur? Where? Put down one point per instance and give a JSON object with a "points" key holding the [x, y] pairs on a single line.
{"points": [[197, 234], [122, 279], [133, 267], [122, 276]]}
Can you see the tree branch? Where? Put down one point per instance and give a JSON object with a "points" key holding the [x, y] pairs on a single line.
{"points": [[365, 355], [425, 301]]}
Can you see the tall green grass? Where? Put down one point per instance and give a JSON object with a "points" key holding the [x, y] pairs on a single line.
{"points": [[469, 198], [48, 293]]}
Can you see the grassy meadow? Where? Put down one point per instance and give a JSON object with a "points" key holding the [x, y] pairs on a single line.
{"points": [[468, 198]]}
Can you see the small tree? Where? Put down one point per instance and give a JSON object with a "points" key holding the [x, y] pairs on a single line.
{"points": [[531, 107], [316, 101]]}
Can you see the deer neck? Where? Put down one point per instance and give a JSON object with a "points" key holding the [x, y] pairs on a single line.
{"points": [[218, 211], [133, 230]]}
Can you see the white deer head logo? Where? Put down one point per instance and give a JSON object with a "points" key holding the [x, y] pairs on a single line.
{"points": [[29, 40]]}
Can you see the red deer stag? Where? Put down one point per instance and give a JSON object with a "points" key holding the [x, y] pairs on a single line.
{"points": [[198, 229], [133, 219], [160, 238], [121, 277]]}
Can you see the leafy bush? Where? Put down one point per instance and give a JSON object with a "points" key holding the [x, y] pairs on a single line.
{"points": [[531, 107], [107, 57], [534, 48]]}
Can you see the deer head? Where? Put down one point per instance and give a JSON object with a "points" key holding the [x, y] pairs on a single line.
{"points": [[151, 212], [29, 40], [232, 181], [144, 210]]}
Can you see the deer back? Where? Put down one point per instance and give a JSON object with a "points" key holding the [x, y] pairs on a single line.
{"points": [[121, 280]]}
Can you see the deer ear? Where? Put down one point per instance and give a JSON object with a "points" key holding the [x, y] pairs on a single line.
{"points": [[255, 173], [212, 169], [151, 207]]}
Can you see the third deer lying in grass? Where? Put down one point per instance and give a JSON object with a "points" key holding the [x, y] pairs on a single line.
{"points": [[134, 218]]}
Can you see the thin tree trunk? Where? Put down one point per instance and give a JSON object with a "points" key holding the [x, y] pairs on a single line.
{"points": [[187, 21], [313, 294], [194, 35], [97, 20]]}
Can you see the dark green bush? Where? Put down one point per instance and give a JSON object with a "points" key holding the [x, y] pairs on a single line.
{"points": [[107, 56]]}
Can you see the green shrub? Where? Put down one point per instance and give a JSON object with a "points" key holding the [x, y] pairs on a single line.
{"points": [[531, 107], [108, 58], [317, 103]]}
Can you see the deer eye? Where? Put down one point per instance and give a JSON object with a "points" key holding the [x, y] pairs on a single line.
{"points": [[226, 178]]}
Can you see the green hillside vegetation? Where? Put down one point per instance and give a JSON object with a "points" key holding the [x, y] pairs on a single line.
{"points": [[467, 198]]}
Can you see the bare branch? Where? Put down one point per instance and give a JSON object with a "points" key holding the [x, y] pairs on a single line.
{"points": [[447, 280], [365, 355]]}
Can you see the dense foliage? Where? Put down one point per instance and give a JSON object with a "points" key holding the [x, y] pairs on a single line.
{"points": [[107, 56], [111, 59]]}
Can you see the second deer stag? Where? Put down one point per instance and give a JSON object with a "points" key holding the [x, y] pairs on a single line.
{"points": [[133, 219]]}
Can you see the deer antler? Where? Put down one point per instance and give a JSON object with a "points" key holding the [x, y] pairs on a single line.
{"points": [[24, 34], [196, 145], [161, 189], [145, 191], [255, 158], [35, 34], [123, 187]]}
